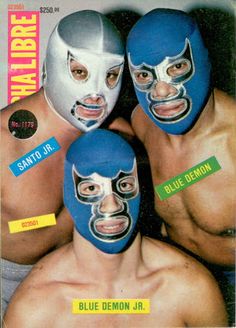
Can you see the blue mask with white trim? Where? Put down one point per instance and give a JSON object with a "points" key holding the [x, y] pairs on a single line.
{"points": [[165, 49], [101, 189]]}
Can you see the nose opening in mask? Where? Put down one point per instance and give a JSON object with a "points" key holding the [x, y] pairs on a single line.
{"points": [[163, 90]]}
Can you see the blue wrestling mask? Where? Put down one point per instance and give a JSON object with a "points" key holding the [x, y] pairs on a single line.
{"points": [[101, 189], [170, 69]]}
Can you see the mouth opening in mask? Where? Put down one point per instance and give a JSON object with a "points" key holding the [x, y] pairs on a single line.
{"points": [[110, 228], [171, 111], [89, 112]]}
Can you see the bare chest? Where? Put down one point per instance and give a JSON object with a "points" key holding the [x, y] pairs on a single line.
{"points": [[114, 320], [210, 201], [115, 312]]}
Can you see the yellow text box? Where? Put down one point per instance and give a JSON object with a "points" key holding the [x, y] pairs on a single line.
{"points": [[32, 223], [110, 306]]}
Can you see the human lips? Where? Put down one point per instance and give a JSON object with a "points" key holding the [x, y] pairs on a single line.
{"points": [[170, 109], [90, 112], [112, 226]]}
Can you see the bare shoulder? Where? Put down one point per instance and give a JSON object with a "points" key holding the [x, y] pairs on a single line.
{"points": [[181, 270], [191, 285], [34, 302], [10, 146], [51, 267], [30, 306], [225, 107], [140, 122], [225, 102], [161, 255], [48, 269], [32, 104]]}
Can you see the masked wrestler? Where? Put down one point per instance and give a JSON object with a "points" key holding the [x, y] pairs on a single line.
{"points": [[81, 82], [183, 121], [108, 258]]}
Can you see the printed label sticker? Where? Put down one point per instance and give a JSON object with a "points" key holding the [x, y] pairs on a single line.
{"points": [[34, 157], [32, 223], [187, 178], [111, 306]]}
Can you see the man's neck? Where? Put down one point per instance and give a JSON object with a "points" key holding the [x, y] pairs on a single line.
{"points": [[110, 268]]}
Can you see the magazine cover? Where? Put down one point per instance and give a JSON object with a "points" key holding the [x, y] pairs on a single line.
{"points": [[118, 184]]}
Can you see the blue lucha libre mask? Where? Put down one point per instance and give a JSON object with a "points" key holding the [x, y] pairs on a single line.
{"points": [[170, 69], [101, 189]]}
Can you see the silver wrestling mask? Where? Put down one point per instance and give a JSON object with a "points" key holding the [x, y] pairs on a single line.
{"points": [[83, 68]]}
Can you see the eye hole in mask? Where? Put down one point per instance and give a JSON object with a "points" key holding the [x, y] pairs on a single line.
{"points": [[179, 68], [77, 70], [126, 185], [89, 188], [143, 77], [172, 70], [113, 76]]}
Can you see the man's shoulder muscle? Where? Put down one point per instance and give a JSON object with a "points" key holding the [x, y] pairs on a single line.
{"points": [[26, 308], [160, 255], [192, 284], [140, 122]]}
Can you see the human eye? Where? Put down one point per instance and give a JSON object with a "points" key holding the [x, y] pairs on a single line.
{"points": [[228, 233], [78, 71], [89, 189], [127, 184], [143, 77], [179, 68], [112, 76]]}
